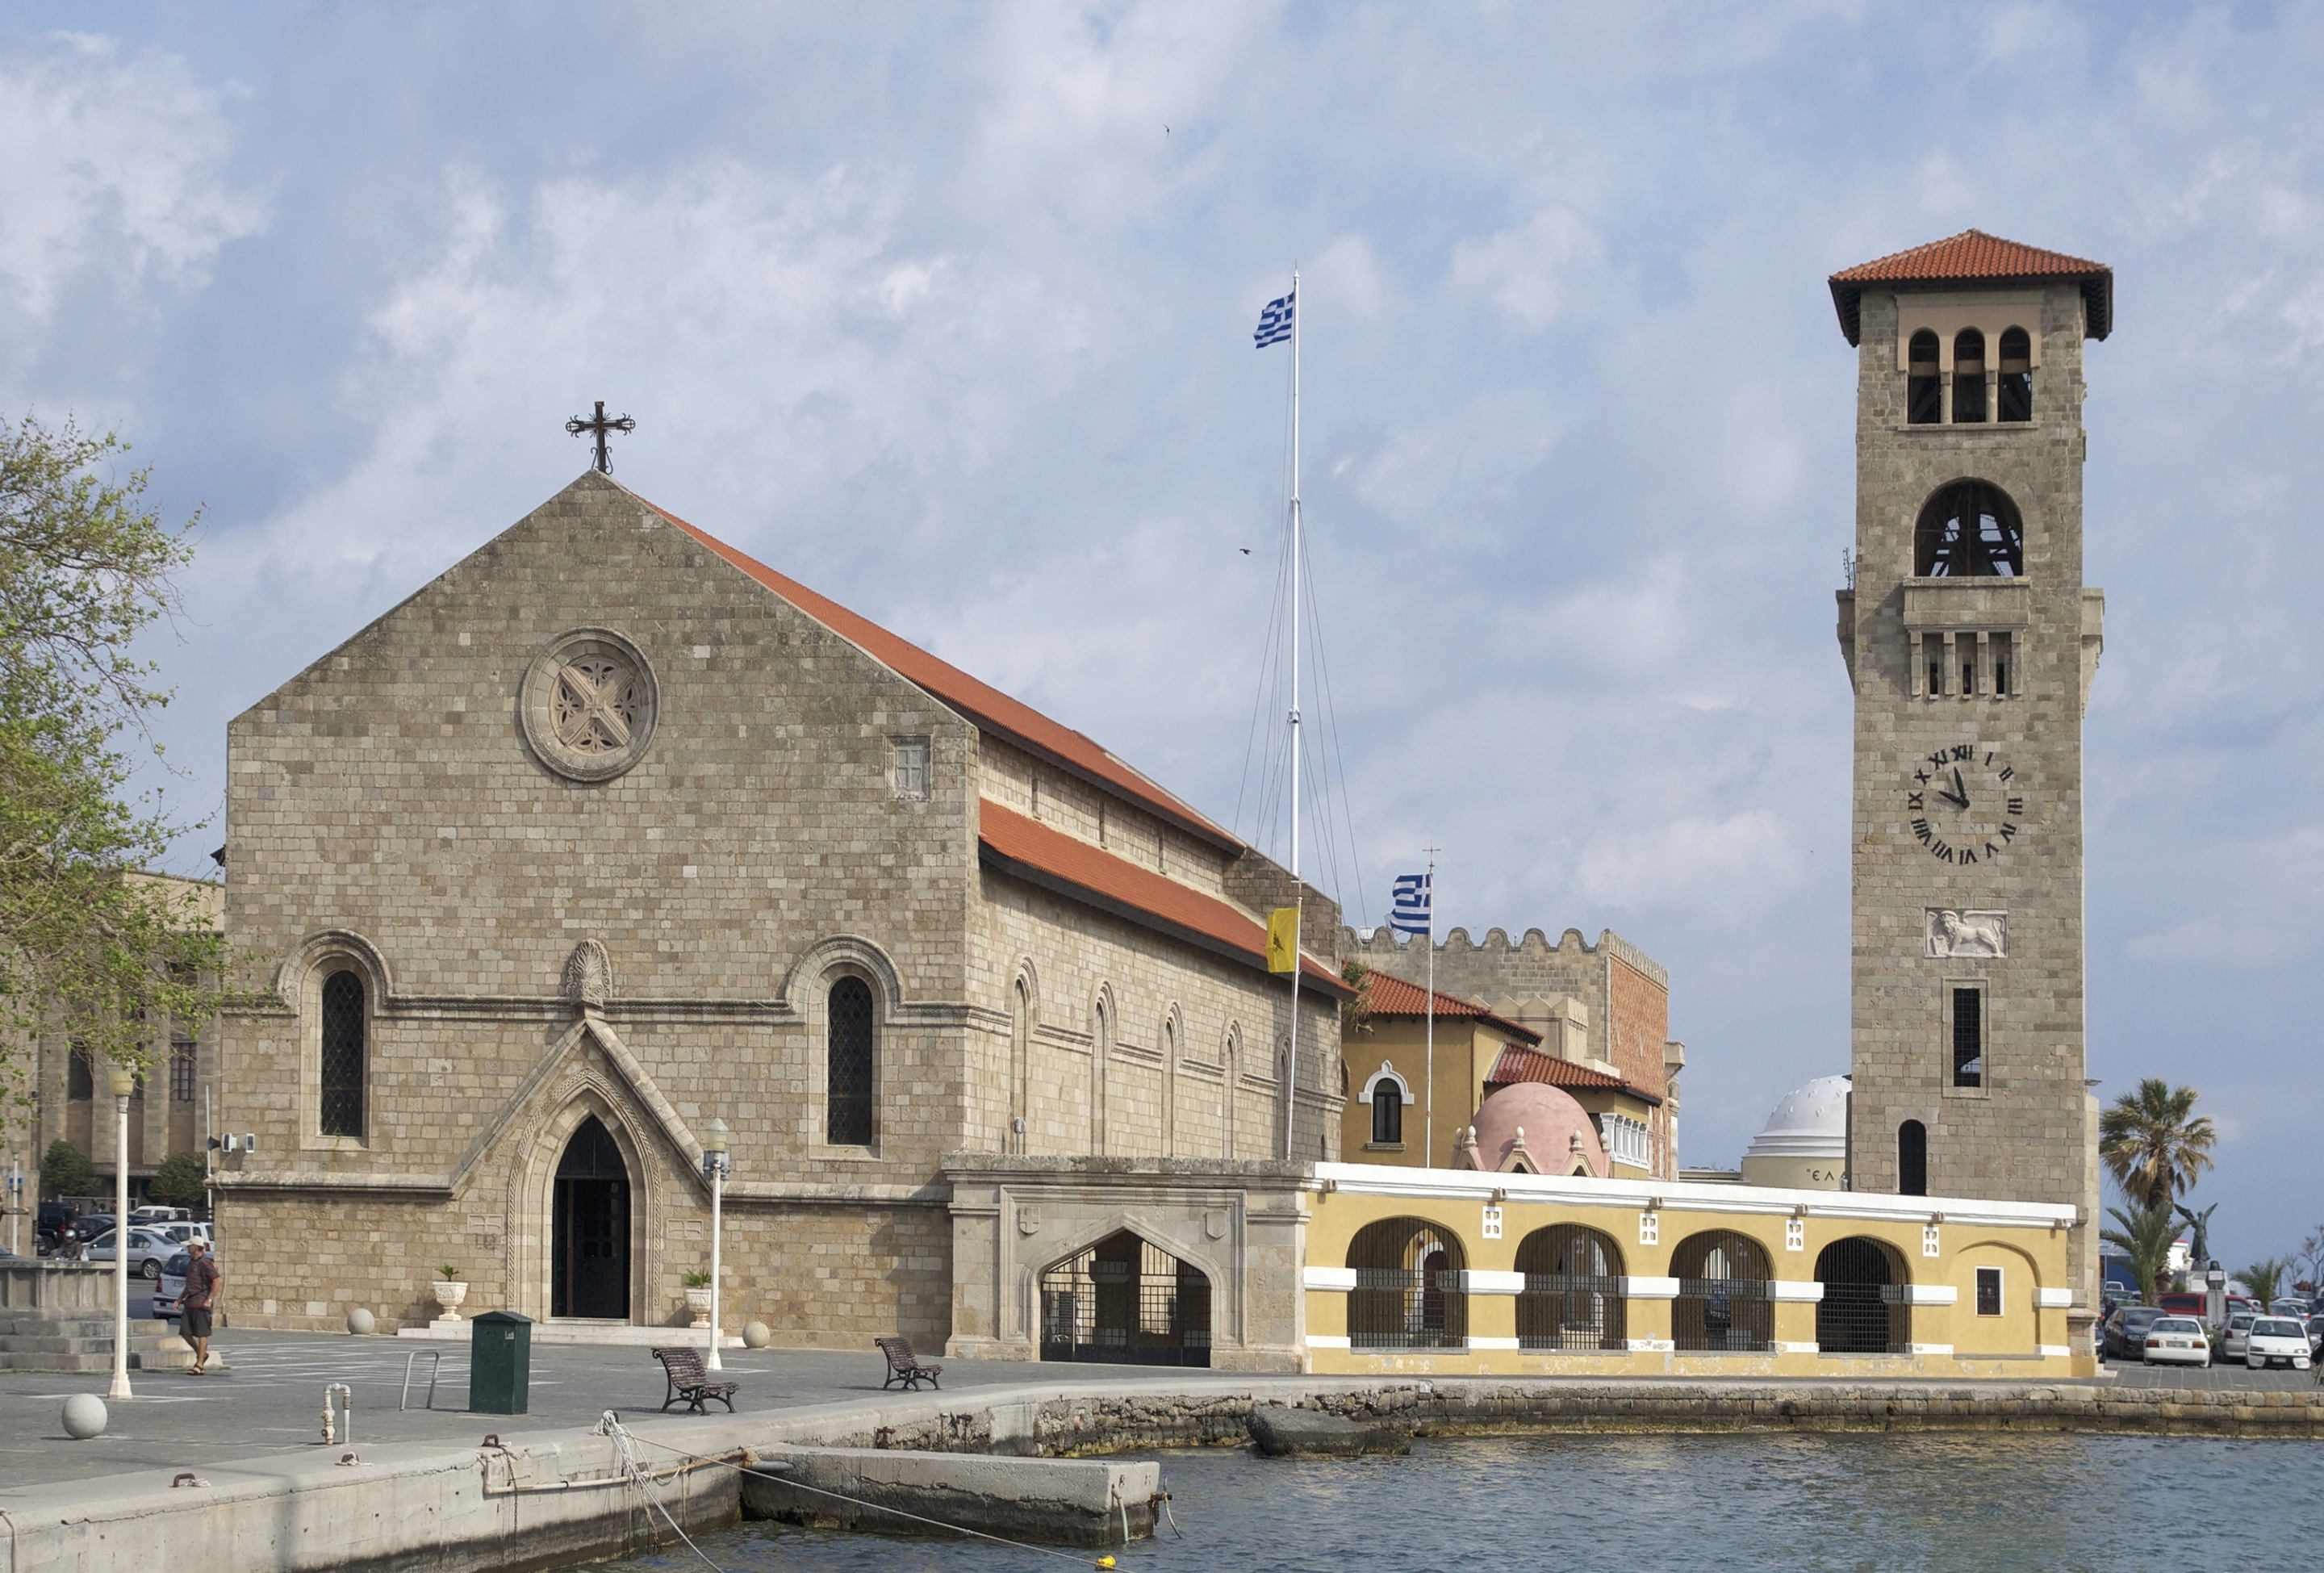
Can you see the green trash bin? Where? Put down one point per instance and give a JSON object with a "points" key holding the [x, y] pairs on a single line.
{"points": [[500, 1363]]}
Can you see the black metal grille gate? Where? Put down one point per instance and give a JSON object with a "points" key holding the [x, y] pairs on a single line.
{"points": [[1407, 1293], [1722, 1306], [1126, 1301], [1572, 1295], [1863, 1310]]}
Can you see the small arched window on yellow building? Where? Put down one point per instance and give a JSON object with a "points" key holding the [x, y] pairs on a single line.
{"points": [[1924, 397], [1388, 1094]]}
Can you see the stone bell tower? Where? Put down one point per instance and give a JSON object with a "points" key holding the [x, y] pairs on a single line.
{"points": [[1971, 643]]}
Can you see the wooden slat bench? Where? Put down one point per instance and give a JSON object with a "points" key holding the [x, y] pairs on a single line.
{"points": [[905, 1366], [690, 1383]]}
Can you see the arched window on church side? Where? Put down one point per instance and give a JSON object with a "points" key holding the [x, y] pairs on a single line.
{"points": [[1968, 376], [1924, 399], [848, 1065], [345, 1034], [1911, 1158], [2017, 386]]}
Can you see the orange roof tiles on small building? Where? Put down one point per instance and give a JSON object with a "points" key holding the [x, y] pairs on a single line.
{"points": [[1387, 995], [1518, 1063], [1028, 850], [982, 704], [1973, 256]]}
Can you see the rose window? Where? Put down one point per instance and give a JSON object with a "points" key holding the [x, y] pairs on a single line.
{"points": [[596, 705]]}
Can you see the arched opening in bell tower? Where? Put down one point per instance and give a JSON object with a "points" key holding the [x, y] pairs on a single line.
{"points": [[1968, 377], [1969, 529], [2015, 388], [1924, 396]]}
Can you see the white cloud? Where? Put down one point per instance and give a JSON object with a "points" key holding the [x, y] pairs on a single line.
{"points": [[114, 165], [1538, 272]]}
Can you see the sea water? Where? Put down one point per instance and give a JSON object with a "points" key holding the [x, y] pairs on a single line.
{"points": [[1970, 1502]]}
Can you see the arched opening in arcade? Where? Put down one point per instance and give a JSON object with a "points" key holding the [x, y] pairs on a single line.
{"points": [[1572, 1294], [1408, 1292], [1863, 1310], [589, 1243], [1126, 1301], [1723, 1305]]}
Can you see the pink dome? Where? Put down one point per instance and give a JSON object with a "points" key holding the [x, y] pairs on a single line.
{"points": [[1549, 1119]]}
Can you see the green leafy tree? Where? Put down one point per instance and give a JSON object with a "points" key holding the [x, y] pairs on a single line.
{"points": [[2145, 1240], [181, 1181], [1356, 1013], [2154, 1143], [86, 943], [66, 1170], [2265, 1278]]}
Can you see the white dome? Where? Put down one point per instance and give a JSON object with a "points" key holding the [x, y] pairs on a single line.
{"points": [[1810, 1122]]}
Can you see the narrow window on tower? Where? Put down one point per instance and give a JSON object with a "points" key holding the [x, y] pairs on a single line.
{"points": [[1968, 1037], [2000, 665], [1911, 1158], [1925, 404], [1968, 377], [911, 767], [2017, 376]]}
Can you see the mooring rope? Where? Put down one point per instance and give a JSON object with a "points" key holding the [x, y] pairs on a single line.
{"points": [[610, 1425], [898, 1512]]}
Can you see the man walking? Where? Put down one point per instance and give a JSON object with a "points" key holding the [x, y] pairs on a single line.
{"points": [[194, 1305]]}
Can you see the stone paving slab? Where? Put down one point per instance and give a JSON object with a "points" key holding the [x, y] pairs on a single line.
{"points": [[272, 1400]]}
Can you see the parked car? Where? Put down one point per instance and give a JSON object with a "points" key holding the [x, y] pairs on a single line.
{"points": [[2232, 1342], [171, 1287], [181, 1232], [2177, 1341], [2126, 1332], [2315, 1336], [2287, 1305], [147, 1251], [153, 1214], [2273, 1338]]}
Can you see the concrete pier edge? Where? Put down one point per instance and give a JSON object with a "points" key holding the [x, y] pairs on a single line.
{"points": [[554, 1498]]}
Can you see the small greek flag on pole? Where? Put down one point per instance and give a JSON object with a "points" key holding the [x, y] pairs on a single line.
{"points": [[1409, 914], [1275, 322]]}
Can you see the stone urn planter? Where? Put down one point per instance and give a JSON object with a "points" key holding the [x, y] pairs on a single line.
{"points": [[448, 1295], [697, 1301]]}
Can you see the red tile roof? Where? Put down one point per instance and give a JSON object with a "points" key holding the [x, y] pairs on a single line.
{"points": [[1973, 254], [1386, 995], [1518, 1063], [982, 704], [1031, 851]]}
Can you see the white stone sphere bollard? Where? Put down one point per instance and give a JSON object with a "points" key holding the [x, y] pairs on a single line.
{"points": [[757, 1336], [360, 1321], [85, 1416]]}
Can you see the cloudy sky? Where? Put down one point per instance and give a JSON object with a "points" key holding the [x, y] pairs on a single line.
{"points": [[946, 312]]}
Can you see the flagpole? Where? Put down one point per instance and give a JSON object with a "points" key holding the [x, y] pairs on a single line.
{"points": [[1428, 1107], [1298, 896]]}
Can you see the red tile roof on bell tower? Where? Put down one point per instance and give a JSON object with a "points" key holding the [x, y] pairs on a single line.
{"points": [[1973, 256]]}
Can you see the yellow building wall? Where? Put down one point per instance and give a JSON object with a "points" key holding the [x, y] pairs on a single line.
{"points": [[1947, 1339]]}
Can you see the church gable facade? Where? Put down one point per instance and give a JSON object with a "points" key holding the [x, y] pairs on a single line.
{"points": [[610, 836]]}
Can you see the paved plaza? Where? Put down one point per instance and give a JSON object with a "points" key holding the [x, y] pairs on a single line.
{"points": [[270, 1401]]}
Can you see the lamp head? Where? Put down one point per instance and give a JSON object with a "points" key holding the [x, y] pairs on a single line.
{"points": [[123, 1080], [714, 1136]]}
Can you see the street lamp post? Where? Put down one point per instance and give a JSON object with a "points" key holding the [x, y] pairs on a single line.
{"points": [[714, 1165], [124, 1083]]}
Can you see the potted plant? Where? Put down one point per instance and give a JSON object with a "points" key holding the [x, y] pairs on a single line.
{"points": [[697, 1297], [451, 1292]]}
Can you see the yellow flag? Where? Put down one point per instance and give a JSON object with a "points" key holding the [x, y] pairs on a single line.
{"points": [[1282, 939]]}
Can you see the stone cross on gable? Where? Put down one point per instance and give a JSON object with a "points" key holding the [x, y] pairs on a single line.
{"points": [[597, 426]]}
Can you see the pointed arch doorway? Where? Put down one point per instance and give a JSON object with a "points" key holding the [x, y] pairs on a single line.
{"points": [[589, 1248]]}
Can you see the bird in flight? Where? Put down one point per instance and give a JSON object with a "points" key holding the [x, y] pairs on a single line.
{"points": [[1244, 550]]}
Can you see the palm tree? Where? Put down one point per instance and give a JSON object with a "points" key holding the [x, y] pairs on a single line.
{"points": [[2263, 1279], [2154, 1143], [2145, 1239]]}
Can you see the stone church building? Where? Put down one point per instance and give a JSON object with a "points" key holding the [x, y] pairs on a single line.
{"points": [[611, 833]]}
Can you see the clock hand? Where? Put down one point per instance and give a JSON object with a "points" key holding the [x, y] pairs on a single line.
{"points": [[1961, 790]]}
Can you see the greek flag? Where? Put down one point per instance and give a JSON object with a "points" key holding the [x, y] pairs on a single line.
{"points": [[1275, 322], [1410, 914]]}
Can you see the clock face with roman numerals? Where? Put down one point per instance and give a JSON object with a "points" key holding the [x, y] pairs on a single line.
{"points": [[1964, 804]]}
